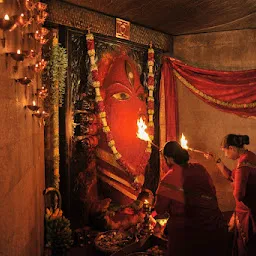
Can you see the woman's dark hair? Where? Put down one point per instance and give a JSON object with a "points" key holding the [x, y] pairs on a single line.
{"points": [[235, 140], [173, 149]]}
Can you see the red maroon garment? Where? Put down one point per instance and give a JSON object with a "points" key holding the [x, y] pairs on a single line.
{"points": [[196, 225], [244, 177]]}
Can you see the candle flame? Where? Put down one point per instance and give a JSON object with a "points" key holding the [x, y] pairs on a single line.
{"points": [[183, 142], [6, 17], [142, 134], [34, 103], [18, 51]]}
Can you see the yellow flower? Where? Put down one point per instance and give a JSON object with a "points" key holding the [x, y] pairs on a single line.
{"points": [[102, 114], [111, 143], [91, 52], [96, 84], [89, 37]]}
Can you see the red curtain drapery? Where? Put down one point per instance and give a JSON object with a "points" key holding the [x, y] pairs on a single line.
{"points": [[229, 91]]}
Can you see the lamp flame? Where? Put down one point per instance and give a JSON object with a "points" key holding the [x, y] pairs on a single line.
{"points": [[183, 142], [142, 134], [146, 201], [6, 17]]}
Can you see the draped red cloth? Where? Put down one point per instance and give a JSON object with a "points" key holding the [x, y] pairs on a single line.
{"points": [[170, 102], [229, 91]]}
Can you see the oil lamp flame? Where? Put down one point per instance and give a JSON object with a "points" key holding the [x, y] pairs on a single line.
{"points": [[6, 17], [183, 142], [142, 134]]}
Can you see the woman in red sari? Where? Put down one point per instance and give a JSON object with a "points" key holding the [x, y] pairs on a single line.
{"points": [[243, 221], [196, 225]]}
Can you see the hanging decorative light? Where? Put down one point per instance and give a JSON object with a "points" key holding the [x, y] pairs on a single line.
{"points": [[33, 107], [41, 6], [8, 23], [18, 56], [24, 81]]}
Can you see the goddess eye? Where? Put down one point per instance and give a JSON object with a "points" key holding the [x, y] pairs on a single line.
{"points": [[121, 96]]}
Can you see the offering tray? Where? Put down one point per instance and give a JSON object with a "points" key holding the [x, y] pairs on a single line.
{"points": [[112, 241], [142, 246], [140, 254]]}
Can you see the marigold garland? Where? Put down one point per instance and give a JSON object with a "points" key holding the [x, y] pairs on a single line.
{"points": [[102, 114]]}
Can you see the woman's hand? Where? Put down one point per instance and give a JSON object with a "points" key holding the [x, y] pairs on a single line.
{"points": [[213, 157], [209, 156]]}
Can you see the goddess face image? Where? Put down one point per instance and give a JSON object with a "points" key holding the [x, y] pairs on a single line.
{"points": [[125, 102]]}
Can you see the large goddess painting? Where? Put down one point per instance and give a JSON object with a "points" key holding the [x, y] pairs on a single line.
{"points": [[102, 178]]}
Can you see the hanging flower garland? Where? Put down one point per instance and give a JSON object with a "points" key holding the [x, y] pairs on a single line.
{"points": [[102, 114], [150, 101], [57, 70]]}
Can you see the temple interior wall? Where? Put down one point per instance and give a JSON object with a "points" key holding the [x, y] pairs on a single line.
{"points": [[203, 125]]}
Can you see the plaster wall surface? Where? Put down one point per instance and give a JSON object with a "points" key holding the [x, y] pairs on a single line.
{"points": [[203, 125], [21, 170]]}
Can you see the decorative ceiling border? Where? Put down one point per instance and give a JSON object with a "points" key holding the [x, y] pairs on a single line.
{"points": [[78, 17]]}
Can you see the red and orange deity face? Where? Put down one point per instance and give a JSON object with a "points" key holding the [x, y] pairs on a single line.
{"points": [[125, 102]]}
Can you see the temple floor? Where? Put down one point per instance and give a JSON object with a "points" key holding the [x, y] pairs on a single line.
{"points": [[88, 248]]}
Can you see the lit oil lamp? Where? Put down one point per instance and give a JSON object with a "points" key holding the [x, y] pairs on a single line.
{"points": [[42, 93], [33, 107], [40, 114], [8, 23], [45, 114], [31, 54], [41, 17], [30, 5], [43, 40], [25, 80], [18, 56], [22, 20], [44, 31], [37, 114], [40, 66], [37, 35], [36, 68], [41, 6], [145, 228]]}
